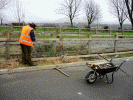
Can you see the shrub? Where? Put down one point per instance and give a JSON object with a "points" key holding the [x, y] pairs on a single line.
{"points": [[106, 27]]}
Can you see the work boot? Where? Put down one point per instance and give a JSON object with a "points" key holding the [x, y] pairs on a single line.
{"points": [[24, 63], [33, 65]]}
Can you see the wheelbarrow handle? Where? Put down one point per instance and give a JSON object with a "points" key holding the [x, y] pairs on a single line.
{"points": [[104, 58], [121, 65], [124, 72]]}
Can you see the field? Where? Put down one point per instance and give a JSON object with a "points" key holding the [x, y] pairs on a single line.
{"points": [[73, 46], [70, 33]]}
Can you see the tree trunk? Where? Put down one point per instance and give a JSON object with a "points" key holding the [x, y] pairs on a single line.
{"points": [[71, 23], [19, 21], [120, 25], [132, 24], [1, 22], [89, 24]]}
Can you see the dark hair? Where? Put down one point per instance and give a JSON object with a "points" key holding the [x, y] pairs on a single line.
{"points": [[32, 25]]}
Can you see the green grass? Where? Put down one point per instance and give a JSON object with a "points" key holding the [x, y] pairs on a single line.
{"points": [[44, 36], [102, 32], [121, 56], [2, 36], [3, 29], [17, 29], [69, 36]]}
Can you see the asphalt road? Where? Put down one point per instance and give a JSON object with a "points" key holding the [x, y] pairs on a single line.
{"points": [[53, 85]]}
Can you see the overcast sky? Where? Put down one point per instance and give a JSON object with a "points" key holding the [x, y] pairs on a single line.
{"points": [[46, 11]]}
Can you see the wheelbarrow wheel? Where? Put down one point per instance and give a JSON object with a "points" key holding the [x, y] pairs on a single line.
{"points": [[90, 77]]}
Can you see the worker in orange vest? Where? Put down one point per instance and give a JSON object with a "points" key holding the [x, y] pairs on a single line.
{"points": [[26, 41]]}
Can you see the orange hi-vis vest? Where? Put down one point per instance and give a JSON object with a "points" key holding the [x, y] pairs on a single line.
{"points": [[25, 36]]}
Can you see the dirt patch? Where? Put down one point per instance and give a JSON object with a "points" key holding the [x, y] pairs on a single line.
{"points": [[51, 61], [54, 61], [9, 65]]}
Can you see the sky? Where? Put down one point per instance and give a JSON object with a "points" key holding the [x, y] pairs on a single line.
{"points": [[46, 11]]}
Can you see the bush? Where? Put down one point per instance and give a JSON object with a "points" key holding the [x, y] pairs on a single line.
{"points": [[106, 27]]}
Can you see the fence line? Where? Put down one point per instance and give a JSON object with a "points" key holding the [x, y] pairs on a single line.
{"points": [[54, 40], [54, 43]]}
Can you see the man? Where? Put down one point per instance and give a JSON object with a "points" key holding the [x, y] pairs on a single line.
{"points": [[26, 41]]}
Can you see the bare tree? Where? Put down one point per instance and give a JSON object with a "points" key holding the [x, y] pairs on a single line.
{"points": [[70, 8], [92, 12], [3, 3], [20, 13], [129, 5], [1, 18], [119, 10]]}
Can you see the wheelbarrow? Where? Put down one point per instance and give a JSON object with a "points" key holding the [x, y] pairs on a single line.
{"points": [[102, 70]]}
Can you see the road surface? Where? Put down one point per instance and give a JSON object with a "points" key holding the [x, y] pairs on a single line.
{"points": [[53, 85]]}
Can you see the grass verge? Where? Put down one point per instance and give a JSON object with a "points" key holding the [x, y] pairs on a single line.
{"points": [[55, 61]]}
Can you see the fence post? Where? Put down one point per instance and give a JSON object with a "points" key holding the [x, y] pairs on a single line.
{"points": [[79, 32], [11, 31], [7, 44], [110, 33], [115, 43], [122, 33], [60, 32], [37, 29], [96, 31], [54, 45], [89, 43]]}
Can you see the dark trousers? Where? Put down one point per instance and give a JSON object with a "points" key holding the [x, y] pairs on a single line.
{"points": [[26, 54]]}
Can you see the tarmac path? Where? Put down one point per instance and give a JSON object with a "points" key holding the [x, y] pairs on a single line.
{"points": [[53, 85]]}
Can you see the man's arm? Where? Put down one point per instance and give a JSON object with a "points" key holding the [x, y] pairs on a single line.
{"points": [[32, 35]]}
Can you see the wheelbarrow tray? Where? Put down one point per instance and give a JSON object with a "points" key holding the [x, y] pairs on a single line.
{"points": [[103, 71]]}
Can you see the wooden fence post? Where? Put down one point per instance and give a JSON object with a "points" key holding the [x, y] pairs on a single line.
{"points": [[60, 32], [7, 44], [54, 45], [11, 31], [37, 29], [89, 43], [96, 31], [115, 43], [122, 33], [79, 32], [110, 33]]}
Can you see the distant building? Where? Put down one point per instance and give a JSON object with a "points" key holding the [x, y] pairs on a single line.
{"points": [[17, 24]]}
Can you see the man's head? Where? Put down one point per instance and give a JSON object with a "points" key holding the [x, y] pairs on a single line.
{"points": [[32, 25]]}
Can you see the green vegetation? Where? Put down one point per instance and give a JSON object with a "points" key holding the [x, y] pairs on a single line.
{"points": [[2, 36], [121, 56], [85, 32], [3, 29]]}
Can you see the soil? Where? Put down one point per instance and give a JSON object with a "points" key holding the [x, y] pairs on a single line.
{"points": [[52, 61]]}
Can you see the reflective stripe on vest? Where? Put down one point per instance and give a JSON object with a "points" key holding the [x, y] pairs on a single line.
{"points": [[25, 36], [28, 31], [26, 41]]}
